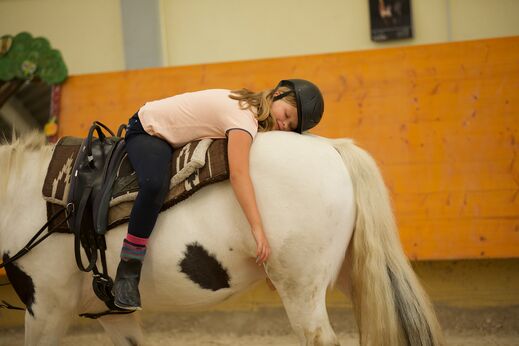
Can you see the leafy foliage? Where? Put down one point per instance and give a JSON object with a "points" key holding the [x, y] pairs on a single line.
{"points": [[25, 57]]}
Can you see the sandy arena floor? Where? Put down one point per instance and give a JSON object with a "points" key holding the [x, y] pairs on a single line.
{"points": [[496, 326]]}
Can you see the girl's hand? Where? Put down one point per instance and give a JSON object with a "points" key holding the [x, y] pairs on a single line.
{"points": [[263, 247]]}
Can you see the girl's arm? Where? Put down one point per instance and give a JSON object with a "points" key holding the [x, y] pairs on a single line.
{"points": [[238, 148]]}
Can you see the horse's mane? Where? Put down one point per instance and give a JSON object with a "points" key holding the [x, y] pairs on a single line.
{"points": [[12, 154], [32, 140]]}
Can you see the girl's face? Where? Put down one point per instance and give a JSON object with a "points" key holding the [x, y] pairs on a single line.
{"points": [[285, 115]]}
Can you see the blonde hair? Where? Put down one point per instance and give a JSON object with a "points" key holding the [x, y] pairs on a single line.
{"points": [[259, 103]]}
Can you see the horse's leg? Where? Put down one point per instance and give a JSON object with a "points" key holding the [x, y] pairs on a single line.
{"points": [[50, 297], [304, 299], [123, 329], [344, 279], [47, 326]]}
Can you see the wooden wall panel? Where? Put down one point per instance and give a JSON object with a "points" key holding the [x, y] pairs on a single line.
{"points": [[442, 121]]}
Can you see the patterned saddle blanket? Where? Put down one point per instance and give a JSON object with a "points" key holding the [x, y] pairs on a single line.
{"points": [[194, 166]]}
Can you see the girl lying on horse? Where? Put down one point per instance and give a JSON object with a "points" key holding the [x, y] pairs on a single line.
{"points": [[159, 126]]}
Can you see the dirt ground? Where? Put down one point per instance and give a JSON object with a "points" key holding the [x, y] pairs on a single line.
{"points": [[270, 327]]}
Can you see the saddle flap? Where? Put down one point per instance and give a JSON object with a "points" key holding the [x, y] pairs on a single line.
{"points": [[89, 172], [101, 202]]}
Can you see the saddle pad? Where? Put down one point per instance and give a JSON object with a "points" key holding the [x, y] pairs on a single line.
{"points": [[193, 166]]}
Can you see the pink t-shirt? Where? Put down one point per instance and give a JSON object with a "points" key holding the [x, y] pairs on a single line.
{"points": [[196, 115]]}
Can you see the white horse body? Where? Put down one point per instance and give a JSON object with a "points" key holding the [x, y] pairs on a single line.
{"points": [[305, 196], [213, 218]]}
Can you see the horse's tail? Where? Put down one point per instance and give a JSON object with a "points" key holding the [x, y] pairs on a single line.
{"points": [[391, 307]]}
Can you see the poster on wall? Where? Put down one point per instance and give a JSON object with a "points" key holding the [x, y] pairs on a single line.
{"points": [[390, 20]]}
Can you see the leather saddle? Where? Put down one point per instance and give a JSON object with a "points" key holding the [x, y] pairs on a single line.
{"points": [[90, 190], [93, 176]]}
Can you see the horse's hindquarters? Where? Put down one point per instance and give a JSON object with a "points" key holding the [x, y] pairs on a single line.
{"points": [[306, 201]]}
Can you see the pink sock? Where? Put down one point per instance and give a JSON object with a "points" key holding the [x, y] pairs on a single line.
{"points": [[134, 248], [137, 240]]}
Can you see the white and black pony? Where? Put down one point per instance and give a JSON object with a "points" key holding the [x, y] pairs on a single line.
{"points": [[326, 213]]}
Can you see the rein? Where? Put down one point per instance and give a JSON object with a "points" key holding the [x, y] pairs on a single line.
{"points": [[34, 240], [31, 245]]}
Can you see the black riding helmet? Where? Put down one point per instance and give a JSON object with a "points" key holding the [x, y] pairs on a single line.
{"points": [[310, 102]]}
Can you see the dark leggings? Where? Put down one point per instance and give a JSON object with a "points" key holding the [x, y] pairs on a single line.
{"points": [[151, 158]]}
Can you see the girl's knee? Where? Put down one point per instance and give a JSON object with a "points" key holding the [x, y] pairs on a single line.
{"points": [[152, 186]]}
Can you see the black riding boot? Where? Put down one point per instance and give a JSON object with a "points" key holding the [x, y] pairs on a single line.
{"points": [[126, 285]]}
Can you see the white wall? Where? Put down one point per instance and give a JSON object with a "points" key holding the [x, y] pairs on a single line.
{"points": [[201, 31], [89, 33], [476, 19]]}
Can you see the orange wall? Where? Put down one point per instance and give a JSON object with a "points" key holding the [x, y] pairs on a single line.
{"points": [[441, 120]]}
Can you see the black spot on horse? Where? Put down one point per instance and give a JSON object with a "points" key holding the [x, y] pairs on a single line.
{"points": [[203, 268], [21, 282]]}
